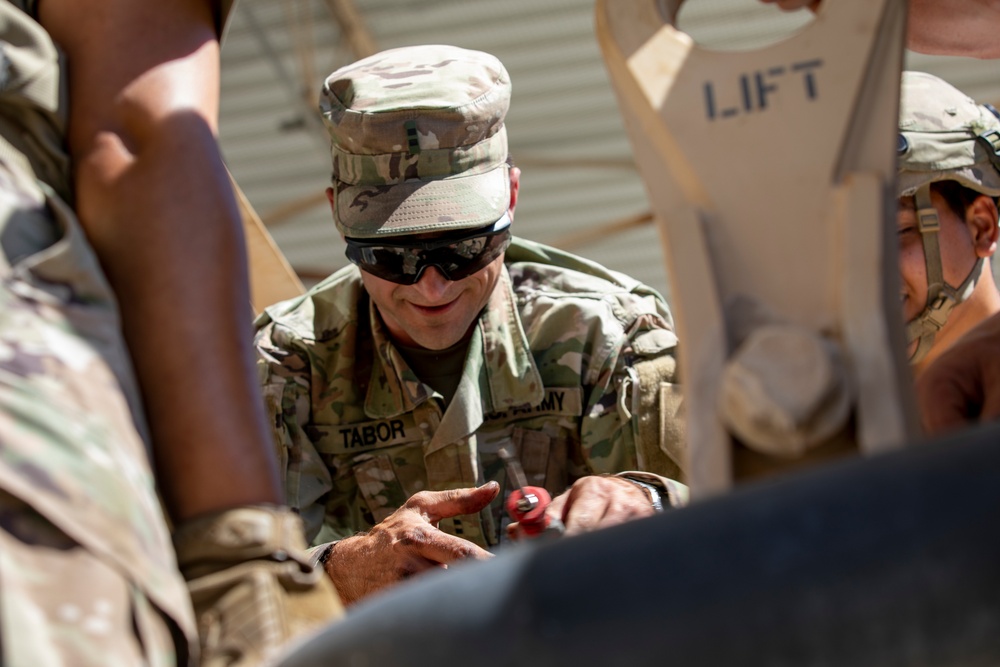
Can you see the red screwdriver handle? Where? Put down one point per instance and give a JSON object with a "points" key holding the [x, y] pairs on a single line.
{"points": [[527, 506]]}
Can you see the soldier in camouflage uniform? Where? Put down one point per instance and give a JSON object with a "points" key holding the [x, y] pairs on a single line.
{"points": [[949, 180], [393, 384], [96, 257]]}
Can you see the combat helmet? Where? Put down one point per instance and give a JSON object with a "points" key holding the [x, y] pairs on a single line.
{"points": [[944, 135]]}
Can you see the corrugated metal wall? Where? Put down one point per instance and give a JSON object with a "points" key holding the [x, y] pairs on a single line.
{"points": [[564, 128]]}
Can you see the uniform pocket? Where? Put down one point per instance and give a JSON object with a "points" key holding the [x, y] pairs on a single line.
{"points": [[385, 480], [543, 459]]}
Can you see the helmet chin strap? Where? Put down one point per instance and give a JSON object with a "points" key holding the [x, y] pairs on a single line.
{"points": [[941, 297]]}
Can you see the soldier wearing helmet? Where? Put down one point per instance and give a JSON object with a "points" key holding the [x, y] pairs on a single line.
{"points": [[949, 179]]}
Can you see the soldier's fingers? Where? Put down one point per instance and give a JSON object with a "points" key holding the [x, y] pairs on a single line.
{"points": [[437, 505], [583, 514], [620, 513], [438, 547], [603, 501], [514, 531], [414, 565], [572, 508], [557, 508]]}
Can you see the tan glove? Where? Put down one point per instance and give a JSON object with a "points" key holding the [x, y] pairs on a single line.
{"points": [[251, 583]]}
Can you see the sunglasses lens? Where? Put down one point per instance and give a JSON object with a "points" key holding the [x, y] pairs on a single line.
{"points": [[405, 264], [462, 259], [389, 262]]}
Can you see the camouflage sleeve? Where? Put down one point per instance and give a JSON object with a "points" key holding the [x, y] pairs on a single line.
{"points": [[627, 425], [657, 416], [284, 372]]}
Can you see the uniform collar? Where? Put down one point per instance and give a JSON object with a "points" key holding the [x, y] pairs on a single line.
{"points": [[504, 372]]}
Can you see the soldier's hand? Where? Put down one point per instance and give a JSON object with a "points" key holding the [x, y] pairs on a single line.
{"points": [[407, 542], [596, 502], [963, 384]]}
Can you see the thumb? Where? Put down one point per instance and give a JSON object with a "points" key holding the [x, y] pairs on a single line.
{"points": [[437, 505]]}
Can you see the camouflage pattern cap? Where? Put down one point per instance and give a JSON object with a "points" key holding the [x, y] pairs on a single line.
{"points": [[418, 141], [945, 135]]}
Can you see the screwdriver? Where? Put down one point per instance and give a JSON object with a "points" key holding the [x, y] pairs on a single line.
{"points": [[527, 504]]}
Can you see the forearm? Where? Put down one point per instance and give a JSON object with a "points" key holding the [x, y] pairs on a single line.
{"points": [[175, 260], [154, 200]]}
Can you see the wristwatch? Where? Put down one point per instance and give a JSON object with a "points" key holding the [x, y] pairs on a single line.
{"points": [[655, 496]]}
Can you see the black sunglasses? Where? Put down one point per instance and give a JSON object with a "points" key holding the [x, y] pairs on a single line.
{"points": [[403, 262]]}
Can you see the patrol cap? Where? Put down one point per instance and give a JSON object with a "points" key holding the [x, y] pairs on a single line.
{"points": [[945, 135], [418, 141]]}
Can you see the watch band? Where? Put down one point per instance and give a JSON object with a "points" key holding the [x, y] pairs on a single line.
{"points": [[655, 496]]}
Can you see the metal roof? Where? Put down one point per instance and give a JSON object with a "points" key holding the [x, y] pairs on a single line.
{"points": [[580, 190]]}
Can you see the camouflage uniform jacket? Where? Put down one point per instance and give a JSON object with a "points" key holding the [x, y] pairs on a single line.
{"points": [[70, 413], [547, 370]]}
